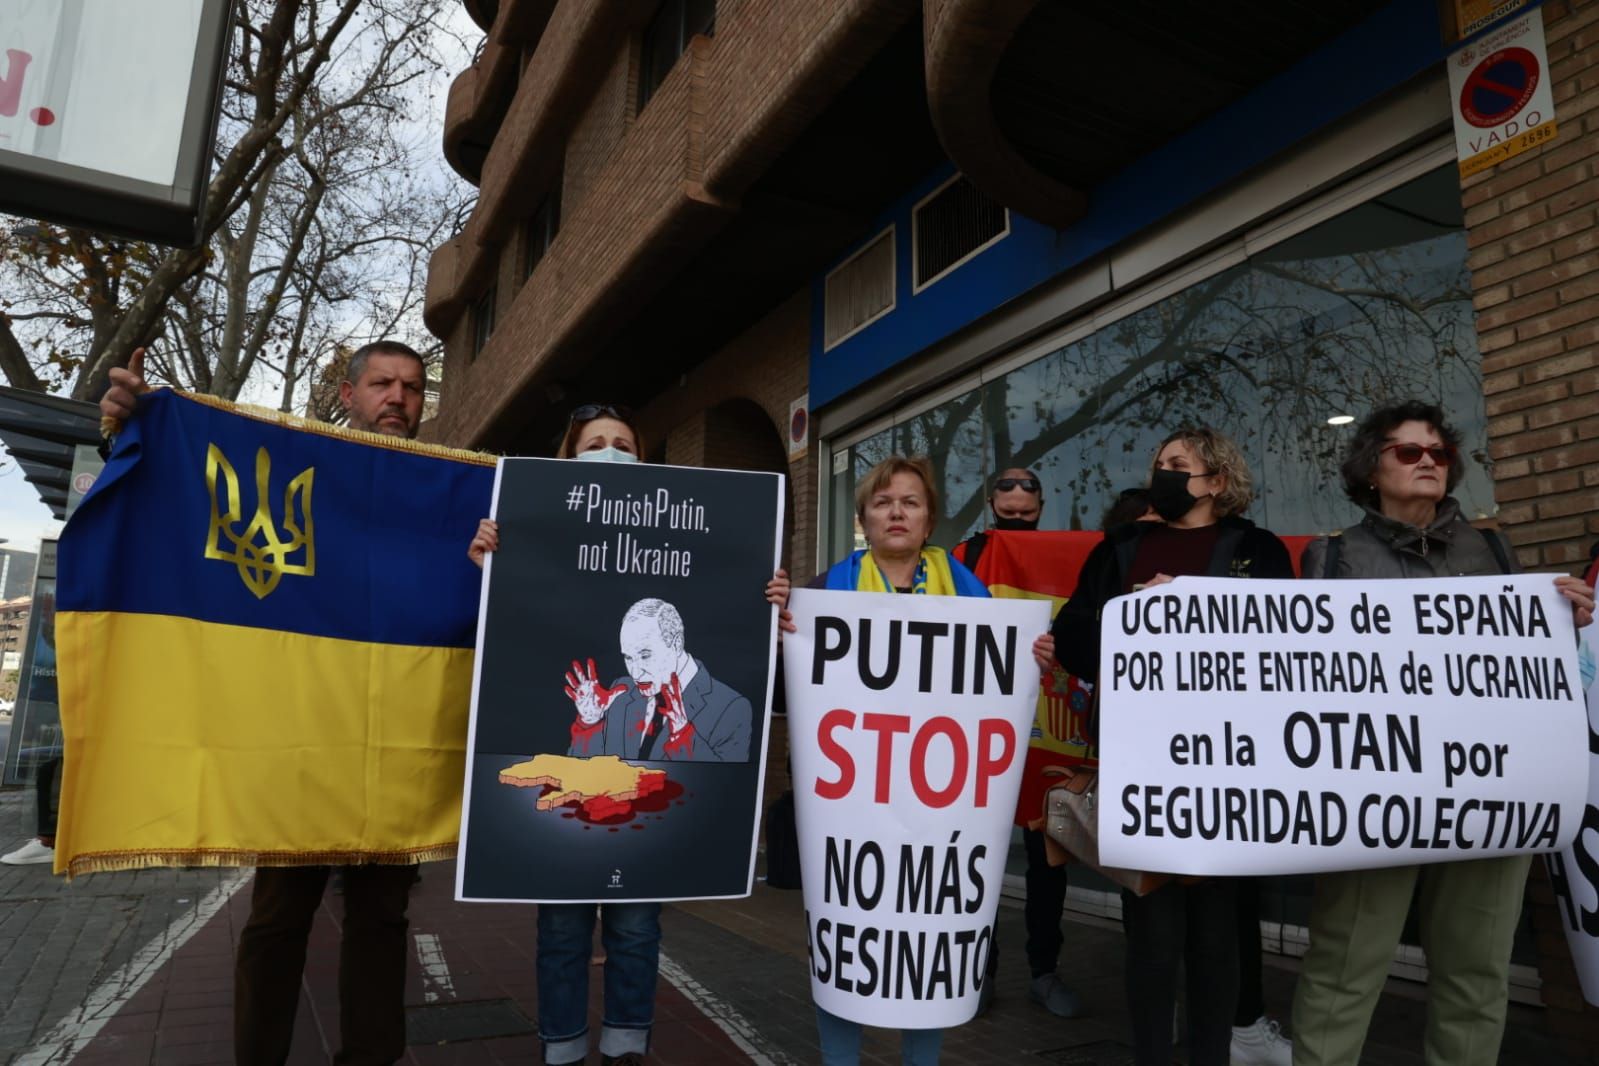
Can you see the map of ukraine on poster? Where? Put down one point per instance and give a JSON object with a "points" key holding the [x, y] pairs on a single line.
{"points": [[908, 720], [624, 672], [1282, 727]]}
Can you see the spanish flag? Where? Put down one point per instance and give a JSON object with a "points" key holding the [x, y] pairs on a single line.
{"points": [[265, 631], [1017, 564]]}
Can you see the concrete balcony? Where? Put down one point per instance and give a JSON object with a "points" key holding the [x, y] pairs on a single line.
{"points": [[1037, 103], [965, 42], [481, 94], [464, 145], [740, 178], [602, 265], [482, 12], [441, 297]]}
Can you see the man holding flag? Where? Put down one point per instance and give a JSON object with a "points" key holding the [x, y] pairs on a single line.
{"points": [[383, 392]]}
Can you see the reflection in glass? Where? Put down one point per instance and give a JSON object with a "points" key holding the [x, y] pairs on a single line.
{"points": [[1369, 308], [953, 437]]}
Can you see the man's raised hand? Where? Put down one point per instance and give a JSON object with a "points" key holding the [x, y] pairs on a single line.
{"points": [[592, 699], [122, 398]]}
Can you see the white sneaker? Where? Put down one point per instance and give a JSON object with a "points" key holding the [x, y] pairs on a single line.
{"points": [[1261, 1044], [34, 851]]}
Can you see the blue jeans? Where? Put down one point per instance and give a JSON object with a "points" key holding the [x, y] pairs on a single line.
{"points": [[631, 933], [841, 1042]]}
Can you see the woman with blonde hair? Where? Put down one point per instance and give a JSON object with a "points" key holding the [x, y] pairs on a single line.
{"points": [[897, 505], [1199, 484]]}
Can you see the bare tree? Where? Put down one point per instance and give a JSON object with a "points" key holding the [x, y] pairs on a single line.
{"points": [[320, 214]]}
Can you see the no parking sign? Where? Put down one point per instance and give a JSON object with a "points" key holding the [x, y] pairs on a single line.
{"points": [[1502, 99]]}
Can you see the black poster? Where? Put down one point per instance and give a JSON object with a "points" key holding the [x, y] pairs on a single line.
{"points": [[624, 674]]}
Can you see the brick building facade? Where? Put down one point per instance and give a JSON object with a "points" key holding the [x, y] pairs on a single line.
{"points": [[668, 191]]}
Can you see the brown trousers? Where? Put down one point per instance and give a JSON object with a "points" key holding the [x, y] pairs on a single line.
{"points": [[372, 953]]}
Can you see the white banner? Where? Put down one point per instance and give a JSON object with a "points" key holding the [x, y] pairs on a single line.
{"points": [[1279, 727], [1574, 871], [907, 719]]}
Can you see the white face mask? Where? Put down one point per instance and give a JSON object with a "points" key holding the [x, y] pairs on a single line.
{"points": [[610, 454]]}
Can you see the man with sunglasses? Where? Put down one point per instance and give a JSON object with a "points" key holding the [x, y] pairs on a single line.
{"points": [[1017, 505]]}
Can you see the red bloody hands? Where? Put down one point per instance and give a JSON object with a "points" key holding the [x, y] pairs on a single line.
{"points": [[592, 699], [681, 740], [583, 734], [681, 743], [672, 705]]}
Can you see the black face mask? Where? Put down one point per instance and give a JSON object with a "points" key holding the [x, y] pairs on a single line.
{"points": [[1001, 522], [1169, 495]]}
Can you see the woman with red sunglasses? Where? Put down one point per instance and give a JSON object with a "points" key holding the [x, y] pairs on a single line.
{"points": [[1402, 464]]}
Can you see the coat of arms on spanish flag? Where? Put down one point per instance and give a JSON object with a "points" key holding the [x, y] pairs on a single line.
{"points": [[265, 629]]}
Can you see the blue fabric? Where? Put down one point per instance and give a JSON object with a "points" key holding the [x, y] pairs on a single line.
{"points": [[841, 1042], [138, 541], [845, 575], [631, 933]]}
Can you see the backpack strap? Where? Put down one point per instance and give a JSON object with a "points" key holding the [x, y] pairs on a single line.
{"points": [[1497, 546], [1329, 562], [974, 550]]}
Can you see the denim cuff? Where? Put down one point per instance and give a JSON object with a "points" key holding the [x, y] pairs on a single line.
{"points": [[617, 1041], [563, 1052]]}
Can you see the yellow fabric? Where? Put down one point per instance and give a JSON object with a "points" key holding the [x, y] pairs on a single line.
{"points": [[1002, 591], [179, 757], [940, 582]]}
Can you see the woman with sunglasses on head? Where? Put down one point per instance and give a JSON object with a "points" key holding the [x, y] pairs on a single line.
{"points": [[629, 932], [1199, 485], [1400, 468]]}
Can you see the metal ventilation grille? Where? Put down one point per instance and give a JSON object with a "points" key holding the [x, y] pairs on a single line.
{"points": [[951, 226], [859, 291]]}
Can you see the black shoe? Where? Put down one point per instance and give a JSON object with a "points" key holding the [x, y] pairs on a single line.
{"points": [[632, 1058]]}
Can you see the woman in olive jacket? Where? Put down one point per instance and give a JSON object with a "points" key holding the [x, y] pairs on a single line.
{"points": [[1402, 463], [1199, 483]]}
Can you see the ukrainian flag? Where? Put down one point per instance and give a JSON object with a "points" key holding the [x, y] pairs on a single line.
{"points": [[265, 631]]}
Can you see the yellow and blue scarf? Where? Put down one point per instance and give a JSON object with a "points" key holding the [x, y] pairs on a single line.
{"points": [[936, 575]]}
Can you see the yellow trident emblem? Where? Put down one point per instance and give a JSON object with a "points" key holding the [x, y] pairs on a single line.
{"points": [[261, 553]]}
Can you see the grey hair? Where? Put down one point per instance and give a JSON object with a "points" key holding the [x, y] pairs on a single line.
{"points": [[357, 364], [662, 614]]}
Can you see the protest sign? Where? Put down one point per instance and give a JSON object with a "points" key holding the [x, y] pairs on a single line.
{"points": [[1276, 727], [1574, 871], [908, 720], [624, 669], [1043, 565]]}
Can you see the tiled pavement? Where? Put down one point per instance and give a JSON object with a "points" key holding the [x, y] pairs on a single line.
{"points": [[735, 981]]}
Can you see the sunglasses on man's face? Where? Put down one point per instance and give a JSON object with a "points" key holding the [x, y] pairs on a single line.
{"points": [[590, 411], [1026, 484], [1410, 454]]}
